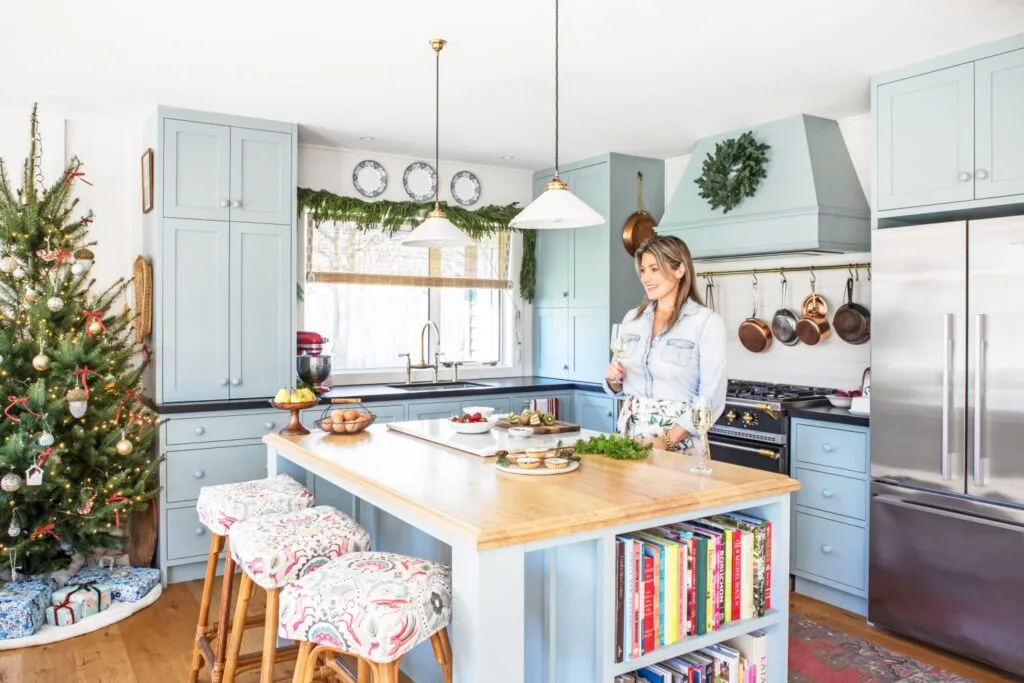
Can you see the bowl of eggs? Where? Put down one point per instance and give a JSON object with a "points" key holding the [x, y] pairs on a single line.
{"points": [[345, 420]]}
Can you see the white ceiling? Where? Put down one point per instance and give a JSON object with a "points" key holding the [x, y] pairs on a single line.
{"points": [[646, 77]]}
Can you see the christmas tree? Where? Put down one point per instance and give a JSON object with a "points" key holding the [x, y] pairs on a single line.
{"points": [[74, 431]]}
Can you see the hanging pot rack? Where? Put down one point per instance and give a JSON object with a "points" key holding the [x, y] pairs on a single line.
{"points": [[852, 267]]}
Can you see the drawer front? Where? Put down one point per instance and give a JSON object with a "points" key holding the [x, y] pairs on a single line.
{"points": [[832, 493], [832, 550], [432, 410], [387, 412], [186, 535], [843, 448], [189, 471], [224, 427]]}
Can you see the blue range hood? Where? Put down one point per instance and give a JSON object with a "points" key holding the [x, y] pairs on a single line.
{"points": [[810, 201]]}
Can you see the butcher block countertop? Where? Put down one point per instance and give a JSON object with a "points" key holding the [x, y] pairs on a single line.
{"points": [[467, 492]]}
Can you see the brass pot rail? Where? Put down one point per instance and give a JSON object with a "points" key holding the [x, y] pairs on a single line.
{"points": [[786, 269]]}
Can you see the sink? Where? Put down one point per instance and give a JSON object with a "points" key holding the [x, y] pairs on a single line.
{"points": [[435, 386]]}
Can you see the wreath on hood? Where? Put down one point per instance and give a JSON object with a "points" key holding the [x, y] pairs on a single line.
{"points": [[733, 172]]}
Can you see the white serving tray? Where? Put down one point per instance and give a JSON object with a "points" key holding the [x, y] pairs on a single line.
{"points": [[487, 444]]}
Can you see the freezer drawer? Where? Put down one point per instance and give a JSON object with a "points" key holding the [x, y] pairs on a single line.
{"points": [[948, 572]]}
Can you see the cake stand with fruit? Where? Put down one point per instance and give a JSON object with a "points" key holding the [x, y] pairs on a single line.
{"points": [[345, 420], [295, 402]]}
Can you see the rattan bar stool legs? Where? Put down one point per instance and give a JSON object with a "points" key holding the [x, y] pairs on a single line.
{"points": [[368, 671]]}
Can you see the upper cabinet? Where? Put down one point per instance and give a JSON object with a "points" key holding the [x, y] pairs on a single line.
{"points": [[950, 133], [222, 242]]}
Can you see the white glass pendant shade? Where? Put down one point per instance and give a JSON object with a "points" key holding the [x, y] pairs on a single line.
{"points": [[436, 232], [556, 208]]}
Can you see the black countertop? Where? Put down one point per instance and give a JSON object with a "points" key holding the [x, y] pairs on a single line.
{"points": [[385, 392], [827, 413]]}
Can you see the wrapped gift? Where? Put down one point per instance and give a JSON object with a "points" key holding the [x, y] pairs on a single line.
{"points": [[93, 597], [127, 584], [23, 606], [65, 613]]}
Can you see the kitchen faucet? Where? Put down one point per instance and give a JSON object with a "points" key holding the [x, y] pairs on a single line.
{"points": [[423, 364]]}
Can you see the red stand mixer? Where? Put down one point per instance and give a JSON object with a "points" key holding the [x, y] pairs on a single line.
{"points": [[312, 366]]}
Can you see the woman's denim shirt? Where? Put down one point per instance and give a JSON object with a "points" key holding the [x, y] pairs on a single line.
{"points": [[679, 363]]}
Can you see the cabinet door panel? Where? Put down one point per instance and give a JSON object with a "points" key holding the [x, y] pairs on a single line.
{"points": [[194, 330], [926, 139], [999, 152], [551, 342], [590, 344], [590, 245], [261, 176], [432, 410], [595, 412], [553, 261], [196, 170], [262, 291]]}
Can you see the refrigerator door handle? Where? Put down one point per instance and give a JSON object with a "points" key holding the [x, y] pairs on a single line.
{"points": [[947, 374], [888, 499], [979, 389]]}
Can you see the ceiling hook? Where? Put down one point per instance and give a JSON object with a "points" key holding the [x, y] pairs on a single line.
{"points": [[754, 275], [814, 280], [782, 274], [849, 269]]}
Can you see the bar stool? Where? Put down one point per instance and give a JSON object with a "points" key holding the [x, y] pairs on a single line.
{"points": [[375, 606], [275, 550], [219, 508]]}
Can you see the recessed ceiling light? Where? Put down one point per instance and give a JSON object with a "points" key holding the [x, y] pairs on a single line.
{"points": [[508, 156], [367, 138]]}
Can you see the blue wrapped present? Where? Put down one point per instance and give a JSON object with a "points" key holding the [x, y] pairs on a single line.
{"points": [[93, 597], [23, 606], [127, 584]]}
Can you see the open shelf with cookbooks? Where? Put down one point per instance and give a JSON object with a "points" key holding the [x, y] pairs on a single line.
{"points": [[693, 600]]}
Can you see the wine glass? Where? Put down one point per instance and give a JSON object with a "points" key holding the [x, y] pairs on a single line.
{"points": [[701, 416], [618, 342]]}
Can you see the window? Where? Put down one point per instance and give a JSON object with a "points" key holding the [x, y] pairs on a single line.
{"points": [[370, 297]]}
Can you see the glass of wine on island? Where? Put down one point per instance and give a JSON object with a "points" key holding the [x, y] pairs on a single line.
{"points": [[700, 415]]}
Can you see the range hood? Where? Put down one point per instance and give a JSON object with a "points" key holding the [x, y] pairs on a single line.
{"points": [[810, 201]]}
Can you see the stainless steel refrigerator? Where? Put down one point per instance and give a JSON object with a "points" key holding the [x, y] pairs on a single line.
{"points": [[947, 437]]}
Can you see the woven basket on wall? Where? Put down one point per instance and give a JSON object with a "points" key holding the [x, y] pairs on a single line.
{"points": [[142, 277]]}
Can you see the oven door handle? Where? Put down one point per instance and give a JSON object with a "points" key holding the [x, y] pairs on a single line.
{"points": [[749, 449]]}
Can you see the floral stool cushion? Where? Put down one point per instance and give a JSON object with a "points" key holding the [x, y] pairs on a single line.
{"points": [[374, 605], [220, 507], [274, 550]]}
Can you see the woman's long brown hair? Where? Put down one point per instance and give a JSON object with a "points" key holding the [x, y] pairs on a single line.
{"points": [[669, 252]]}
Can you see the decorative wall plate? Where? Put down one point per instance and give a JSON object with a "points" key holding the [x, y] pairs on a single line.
{"points": [[370, 178], [420, 181], [465, 188]]}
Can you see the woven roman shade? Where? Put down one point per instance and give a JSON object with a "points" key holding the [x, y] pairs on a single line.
{"points": [[341, 253]]}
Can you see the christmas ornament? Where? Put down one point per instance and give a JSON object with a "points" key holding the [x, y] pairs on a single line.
{"points": [[7, 265], [14, 529], [124, 446], [1, 359], [90, 496], [95, 324], [110, 381], [45, 439], [77, 269], [41, 362], [11, 482], [55, 303], [94, 327], [19, 273], [34, 476], [31, 295], [84, 257], [78, 402]]}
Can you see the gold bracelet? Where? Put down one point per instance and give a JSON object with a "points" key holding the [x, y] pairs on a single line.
{"points": [[667, 441]]}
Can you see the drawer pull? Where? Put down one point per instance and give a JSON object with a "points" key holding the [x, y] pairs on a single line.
{"points": [[825, 493], [826, 447], [200, 531], [269, 425], [826, 549], [200, 431], [199, 474]]}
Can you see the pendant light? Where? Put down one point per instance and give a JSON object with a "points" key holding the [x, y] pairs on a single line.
{"points": [[437, 231], [557, 207]]}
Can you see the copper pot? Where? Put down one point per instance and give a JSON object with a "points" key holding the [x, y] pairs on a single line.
{"points": [[852, 320], [639, 226], [813, 327], [754, 333]]}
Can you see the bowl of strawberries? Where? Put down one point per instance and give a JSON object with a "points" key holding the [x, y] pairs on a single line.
{"points": [[472, 423]]}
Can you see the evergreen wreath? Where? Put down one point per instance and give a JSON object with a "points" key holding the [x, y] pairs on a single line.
{"points": [[733, 172]]}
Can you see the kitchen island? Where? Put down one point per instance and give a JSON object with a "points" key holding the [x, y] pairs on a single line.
{"points": [[534, 558]]}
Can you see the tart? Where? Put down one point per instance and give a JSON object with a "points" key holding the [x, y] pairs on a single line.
{"points": [[539, 452], [556, 463], [528, 463]]}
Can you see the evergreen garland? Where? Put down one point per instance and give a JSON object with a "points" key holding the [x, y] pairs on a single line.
{"points": [[390, 217], [733, 172]]}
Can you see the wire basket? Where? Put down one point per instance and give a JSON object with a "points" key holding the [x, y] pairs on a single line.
{"points": [[328, 421]]}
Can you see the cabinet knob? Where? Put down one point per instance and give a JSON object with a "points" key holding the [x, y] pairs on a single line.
{"points": [[235, 382], [609, 413], [199, 474], [236, 204], [224, 382], [269, 425], [565, 295], [981, 174], [200, 431], [565, 367], [825, 493], [826, 447], [200, 531], [826, 549], [964, 177], [224, 203]]}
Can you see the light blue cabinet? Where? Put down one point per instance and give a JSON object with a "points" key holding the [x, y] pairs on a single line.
{"points": [[554, 268], [590, 335], [950, 134], [196, 170], [261, 176], [589, 284], [595, 411], [551, 350], [830, 517], [433, 410]]}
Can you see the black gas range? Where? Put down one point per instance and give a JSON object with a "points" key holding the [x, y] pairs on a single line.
{"points": [[753, 430]]}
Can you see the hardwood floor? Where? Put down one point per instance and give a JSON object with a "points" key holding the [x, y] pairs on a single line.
{"points": [[155, 646]]}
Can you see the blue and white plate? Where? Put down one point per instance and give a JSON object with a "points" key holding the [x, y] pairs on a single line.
{"points": [[370, 178], [420, 181], [466, 188]]}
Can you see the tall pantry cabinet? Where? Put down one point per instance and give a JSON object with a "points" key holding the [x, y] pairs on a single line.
{"points": [[221, 239]]}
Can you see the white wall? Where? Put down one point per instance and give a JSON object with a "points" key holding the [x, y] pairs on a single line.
{"points": [[832, 363]]}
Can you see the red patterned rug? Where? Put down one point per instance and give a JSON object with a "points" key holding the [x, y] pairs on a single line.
{"points": [[818, 653]]}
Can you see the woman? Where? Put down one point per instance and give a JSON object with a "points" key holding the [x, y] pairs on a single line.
{"points": [[673, 350]]}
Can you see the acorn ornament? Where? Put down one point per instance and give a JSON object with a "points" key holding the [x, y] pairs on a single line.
{"points": [[83, 258], [77, 269], [124, 446], [78, 402]]}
